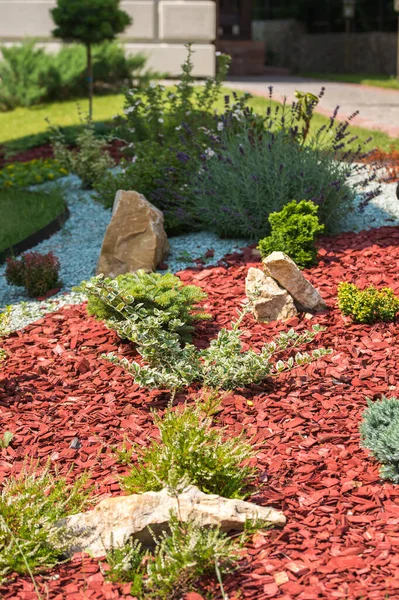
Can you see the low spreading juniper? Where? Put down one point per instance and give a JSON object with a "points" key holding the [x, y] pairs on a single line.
{"points": [[379, 432]]}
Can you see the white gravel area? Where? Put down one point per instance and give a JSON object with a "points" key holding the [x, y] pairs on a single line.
{"points": [[78, 245]]}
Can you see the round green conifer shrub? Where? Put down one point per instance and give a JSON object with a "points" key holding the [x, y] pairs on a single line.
{"points": [[293, 231]]}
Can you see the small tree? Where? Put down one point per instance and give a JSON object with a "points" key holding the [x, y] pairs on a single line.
{"points": [[89, 22]]}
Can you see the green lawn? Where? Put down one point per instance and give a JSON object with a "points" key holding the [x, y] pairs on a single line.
{"points": [[23, 213], [25, 128], [384, 81]]}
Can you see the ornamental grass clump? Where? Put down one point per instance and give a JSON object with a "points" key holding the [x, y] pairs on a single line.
{"points": [[30, 505], [369, 305], [37, 273], [127, 299], [191, 449], [182, 559], [379, 432], [293, 231]]}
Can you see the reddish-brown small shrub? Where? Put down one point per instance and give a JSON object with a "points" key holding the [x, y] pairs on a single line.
{"points": [[37, 273]]}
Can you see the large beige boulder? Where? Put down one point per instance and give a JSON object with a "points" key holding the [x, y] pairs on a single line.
{"points": [[279, 266], [135, 238], [269, 301], [114, 520]]}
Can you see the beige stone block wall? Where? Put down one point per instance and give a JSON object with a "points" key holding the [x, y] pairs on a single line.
{"points": [[160, 29]]}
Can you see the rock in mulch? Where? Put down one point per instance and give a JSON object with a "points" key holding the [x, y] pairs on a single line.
{"points": [[141, 516], [135, 237], [280, 266], [269, 301]]}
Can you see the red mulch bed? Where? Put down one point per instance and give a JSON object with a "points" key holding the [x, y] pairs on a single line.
{"points": [[342, 534]]}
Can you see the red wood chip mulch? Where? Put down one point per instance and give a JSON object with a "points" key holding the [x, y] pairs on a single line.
{"points": [[342, 534]]}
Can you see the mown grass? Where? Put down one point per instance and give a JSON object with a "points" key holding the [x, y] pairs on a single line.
{"points": [[23, 213], [25, 128], [384, 81]]}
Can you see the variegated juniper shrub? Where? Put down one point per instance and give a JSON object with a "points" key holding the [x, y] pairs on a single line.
{"points": [[293, 231], [223, 365], [37, 273], [114, 300], [379, 432], [247, 175], [369, 305]]}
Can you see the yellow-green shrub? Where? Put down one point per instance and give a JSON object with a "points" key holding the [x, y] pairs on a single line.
{"points": [[369, 305]]}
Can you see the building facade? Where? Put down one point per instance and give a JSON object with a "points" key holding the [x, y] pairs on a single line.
{"points": [[160, 29]]}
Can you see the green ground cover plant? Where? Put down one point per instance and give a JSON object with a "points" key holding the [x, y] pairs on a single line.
{"points": [[369, 305], [33, 172], [191, 449], [379, 431], [293, 231], [117, 300], [37, 273], [181, 560], [25, 212], [30, 505]]}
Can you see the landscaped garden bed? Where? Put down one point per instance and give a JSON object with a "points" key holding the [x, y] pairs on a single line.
{"points": [[213, 414], [341, 533]]}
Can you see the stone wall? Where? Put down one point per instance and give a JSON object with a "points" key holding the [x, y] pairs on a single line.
{"points": [[160, 29], [287, 45]]}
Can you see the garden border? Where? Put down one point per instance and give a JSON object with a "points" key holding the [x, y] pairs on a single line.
{"points": [[37, 237]]}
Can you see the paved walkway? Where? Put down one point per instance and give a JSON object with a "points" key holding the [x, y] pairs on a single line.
{"points": [[379, 107]]}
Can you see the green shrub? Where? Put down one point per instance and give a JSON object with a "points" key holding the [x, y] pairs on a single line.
{"points": [[182, 558], [293, 231], [223, 365], [379, 432], [33, 172], [89, 160], [30, 505], [120, 299], [30, 76], [27, 75], [244, 178], [190, 449], [369, 305], [163, 129], [37, 273]]}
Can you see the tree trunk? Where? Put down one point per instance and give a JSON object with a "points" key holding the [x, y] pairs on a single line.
{"points": [[90, 79]]}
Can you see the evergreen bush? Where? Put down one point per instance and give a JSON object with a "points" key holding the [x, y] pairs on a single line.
{"points": [[379, 432], [369, 305], [121, 302], [293, 231], [29, 75]]}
